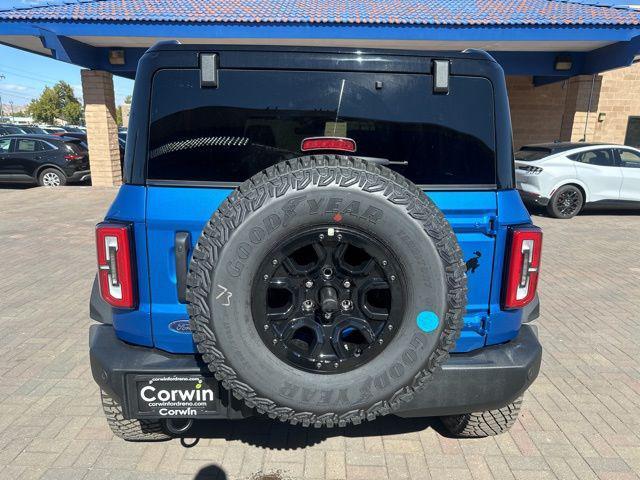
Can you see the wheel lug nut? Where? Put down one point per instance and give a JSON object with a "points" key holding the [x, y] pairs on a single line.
{"points": [[346, 284], [274, 262], [275, 340], [321, 236], [266, 277], [380, 341], [319, 365], [327, 273], [384, 263], [390, 327], [266, 327], [393, 278], [336, 365], [346, 305], [307, 305], [308, 283]]}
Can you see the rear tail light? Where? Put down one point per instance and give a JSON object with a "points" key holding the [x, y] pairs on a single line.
{"points": [[115, 264], [328, 143], [72, 157], [530, 169], [523, 267]]}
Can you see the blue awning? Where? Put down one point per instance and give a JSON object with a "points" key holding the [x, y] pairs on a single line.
{"points": [[526, 37]]}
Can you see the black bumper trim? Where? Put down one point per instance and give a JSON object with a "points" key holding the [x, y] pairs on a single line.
{"points": [[480, 380], [533, 199], [79, 176]]}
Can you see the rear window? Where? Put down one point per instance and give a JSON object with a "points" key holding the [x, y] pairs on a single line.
{"points": [[76, 146], [529, 154], [255, 119]]}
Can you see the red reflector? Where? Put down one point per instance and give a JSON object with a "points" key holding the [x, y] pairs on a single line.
{"points": [[523, 267], [328, 143], [115, 264]]}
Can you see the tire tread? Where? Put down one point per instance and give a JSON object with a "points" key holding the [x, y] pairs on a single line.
{"points": [[298, 174], [133, 430], [483, 424]]}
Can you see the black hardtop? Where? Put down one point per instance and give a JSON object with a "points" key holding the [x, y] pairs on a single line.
{"points": [[177, 55], [173, 55]]}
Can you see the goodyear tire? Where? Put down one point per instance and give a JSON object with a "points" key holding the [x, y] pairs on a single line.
{"points": [[396, 240]]}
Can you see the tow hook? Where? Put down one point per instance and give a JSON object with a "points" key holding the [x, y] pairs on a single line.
{"points": [[178, 426]]}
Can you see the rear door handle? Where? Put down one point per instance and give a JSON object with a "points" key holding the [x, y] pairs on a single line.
{"points": [[182, 245]]}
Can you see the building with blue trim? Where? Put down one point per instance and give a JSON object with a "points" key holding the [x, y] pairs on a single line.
{"points": [[554, 52]]}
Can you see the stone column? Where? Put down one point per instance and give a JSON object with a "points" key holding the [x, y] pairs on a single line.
{"points": [[102, 130]]}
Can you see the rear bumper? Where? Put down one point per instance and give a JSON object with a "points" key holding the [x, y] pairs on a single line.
{"points": [[481, 380], [79, 176], [531, 198]]}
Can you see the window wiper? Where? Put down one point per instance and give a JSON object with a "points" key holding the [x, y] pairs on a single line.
{"points": [[384, 161]]}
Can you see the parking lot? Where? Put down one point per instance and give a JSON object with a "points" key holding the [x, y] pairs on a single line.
{"points": [[580, 419]]}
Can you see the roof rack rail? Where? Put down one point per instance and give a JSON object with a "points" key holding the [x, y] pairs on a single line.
{"points": [[479, 51], [162, 43]]}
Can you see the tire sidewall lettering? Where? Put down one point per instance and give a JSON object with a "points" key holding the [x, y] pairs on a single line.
{"points": [[298, 206]]}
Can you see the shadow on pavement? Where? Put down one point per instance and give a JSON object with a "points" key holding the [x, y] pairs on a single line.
{"points": [[210, 472], [266, 433], [591, 212]]}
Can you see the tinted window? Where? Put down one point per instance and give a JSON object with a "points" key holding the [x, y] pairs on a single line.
{"points": [[11, 130], [5, 144], [603, 158], [29, 145], [255, 119], [629, 159], [36, 130], [632, 137], [78, 147], [529, 154]]}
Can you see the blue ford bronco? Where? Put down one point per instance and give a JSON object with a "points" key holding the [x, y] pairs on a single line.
{"points": [[322, 236]]}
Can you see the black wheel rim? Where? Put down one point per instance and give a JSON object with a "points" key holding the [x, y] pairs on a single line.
{"points": [[568, 202], [328, 300]]}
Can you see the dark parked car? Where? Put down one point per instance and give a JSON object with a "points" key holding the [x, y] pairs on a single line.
{"points": [[32, 129], [122, 140], [48, 160], [72, 129], [10, 130]]}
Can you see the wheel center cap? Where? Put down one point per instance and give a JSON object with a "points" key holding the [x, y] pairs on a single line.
{"points": [[328, 299]]}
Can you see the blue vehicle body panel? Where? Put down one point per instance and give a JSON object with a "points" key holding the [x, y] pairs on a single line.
{"points": [[134, 326], [171, 210], [502, 325], [479, 219], [471, 215]]}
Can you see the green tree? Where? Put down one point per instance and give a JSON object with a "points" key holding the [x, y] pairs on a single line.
{"points": [[128, 99], [58, 101], [119, 116]]}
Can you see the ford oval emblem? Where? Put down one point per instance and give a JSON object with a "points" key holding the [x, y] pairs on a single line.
{"points": [[180, 326]]}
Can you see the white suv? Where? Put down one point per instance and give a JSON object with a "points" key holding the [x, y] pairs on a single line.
{"points": [[564, 177]]}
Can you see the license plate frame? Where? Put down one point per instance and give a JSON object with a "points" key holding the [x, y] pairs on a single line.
{"points": [[173, 396]]}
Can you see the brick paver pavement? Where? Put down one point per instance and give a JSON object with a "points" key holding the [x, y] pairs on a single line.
{"points": [[580, 420]]}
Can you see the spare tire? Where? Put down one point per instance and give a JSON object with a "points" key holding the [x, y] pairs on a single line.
{"points": [[326, 290]]}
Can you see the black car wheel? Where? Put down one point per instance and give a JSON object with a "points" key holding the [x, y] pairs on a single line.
{"points": [[50, 177], [566, 202], [326, 291]]}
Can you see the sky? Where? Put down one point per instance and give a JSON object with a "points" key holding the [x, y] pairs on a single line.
{"points": [[27, 74]]}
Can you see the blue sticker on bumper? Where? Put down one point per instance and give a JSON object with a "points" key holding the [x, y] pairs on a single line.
{"points": [[427, 321]]}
